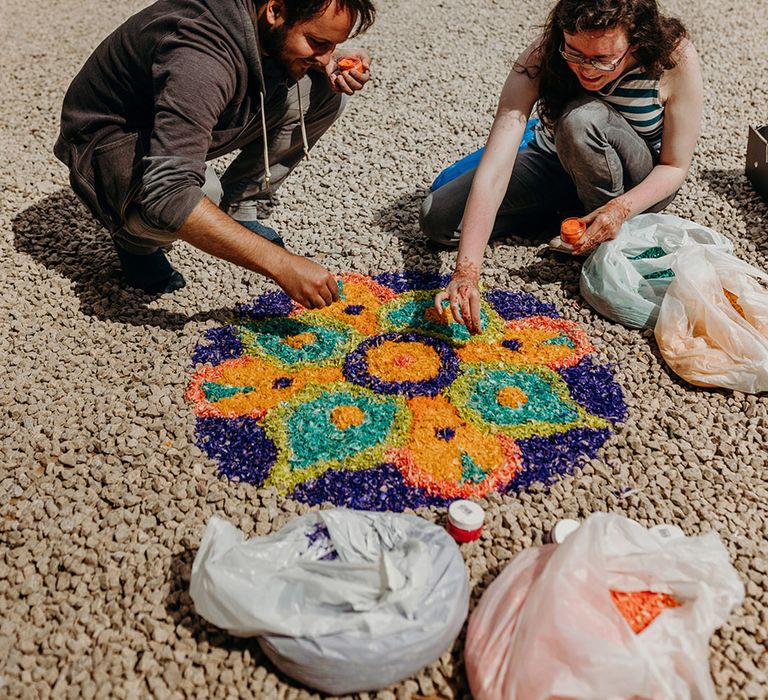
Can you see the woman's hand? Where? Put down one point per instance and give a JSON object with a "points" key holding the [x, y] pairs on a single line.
{"points": [[463, 294], [350, 80], [603, 224]]}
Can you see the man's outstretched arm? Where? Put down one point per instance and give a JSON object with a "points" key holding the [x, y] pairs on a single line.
{"points": [[214, 232]]}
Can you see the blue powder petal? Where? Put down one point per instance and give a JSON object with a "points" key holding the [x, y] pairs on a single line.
{"points": [[273, 303], [594, 387], [239, 445], [224, 345], [380, 488], [547, 458], [511, 305]]}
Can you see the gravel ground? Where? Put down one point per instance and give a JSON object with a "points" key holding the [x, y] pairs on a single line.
{"points": [[103, 496]]}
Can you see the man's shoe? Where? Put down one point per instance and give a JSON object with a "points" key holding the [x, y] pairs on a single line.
{"points": [[151, 273], [264, 231]]}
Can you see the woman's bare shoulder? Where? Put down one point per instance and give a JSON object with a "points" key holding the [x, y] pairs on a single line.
{"points": [[686, 69]]}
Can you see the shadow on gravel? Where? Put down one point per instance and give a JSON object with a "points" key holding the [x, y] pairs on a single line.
{"points": [[734, 187], [181, 611], [550, 267], [401, 219], [58, 232]]}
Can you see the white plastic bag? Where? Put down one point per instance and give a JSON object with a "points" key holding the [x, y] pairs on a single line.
{"points": [[341, 600], [548, 626], [621, 283], [713, 325]]}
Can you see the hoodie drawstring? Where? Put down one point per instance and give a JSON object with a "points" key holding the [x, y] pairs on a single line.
{"points": [[303, 127], [267, 172], [265, 141]]}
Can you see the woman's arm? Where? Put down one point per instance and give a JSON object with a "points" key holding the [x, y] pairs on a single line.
{"points": [[489, 185], [682, 124]]}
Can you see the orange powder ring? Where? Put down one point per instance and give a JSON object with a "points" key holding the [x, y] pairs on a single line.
{"points": [[572, 229]]}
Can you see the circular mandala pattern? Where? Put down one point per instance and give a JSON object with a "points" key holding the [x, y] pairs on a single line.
{"points": [[381, 402]]}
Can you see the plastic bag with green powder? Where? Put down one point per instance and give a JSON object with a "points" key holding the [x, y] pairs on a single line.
{"points": [[626, 279]]}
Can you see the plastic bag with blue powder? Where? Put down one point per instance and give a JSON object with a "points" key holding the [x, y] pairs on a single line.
{"points": [[343, 601]]}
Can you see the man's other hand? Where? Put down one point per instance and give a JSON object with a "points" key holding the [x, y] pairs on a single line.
{"points": [[349, 79]]}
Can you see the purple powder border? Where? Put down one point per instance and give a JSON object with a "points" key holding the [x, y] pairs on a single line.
{"points": [[224, 345], [512, 305], [239, 445]]}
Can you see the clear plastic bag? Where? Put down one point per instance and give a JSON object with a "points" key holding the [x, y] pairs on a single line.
{"points": [[713, 325], [551, 625], [625, 279], [341, 600]]}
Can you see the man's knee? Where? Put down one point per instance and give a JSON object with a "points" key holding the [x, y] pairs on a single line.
{"points": [[137, 237], [324, 104]]}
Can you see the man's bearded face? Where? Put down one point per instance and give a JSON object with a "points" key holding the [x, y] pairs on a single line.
{"points": [[304, 45]]}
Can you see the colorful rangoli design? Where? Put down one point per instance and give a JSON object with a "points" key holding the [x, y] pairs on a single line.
{"points": [[379, 402]]}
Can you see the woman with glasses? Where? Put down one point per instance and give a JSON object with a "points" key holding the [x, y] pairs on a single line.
{"points": [[617, 87]]}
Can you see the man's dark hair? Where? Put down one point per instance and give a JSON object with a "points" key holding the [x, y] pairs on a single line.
{"points": [[364, 12], [653, 36]]}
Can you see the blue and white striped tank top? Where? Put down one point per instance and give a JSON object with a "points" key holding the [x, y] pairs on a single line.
{"points": [[635, 96]]}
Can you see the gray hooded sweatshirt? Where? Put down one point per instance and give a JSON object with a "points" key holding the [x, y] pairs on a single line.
{"points": [[177, 84]]}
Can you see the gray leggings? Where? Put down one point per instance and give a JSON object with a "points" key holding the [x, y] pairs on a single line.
{"points": [[599, 156]]}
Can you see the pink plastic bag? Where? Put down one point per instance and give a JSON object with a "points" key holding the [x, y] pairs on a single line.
{"points": [[549, 626], [713, 324]]}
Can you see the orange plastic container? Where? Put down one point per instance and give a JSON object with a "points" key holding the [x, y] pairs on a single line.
{"points": [[349, 63], [572, 229]]}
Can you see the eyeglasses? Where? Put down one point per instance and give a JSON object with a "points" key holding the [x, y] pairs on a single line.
{"points": [[599, 65]]}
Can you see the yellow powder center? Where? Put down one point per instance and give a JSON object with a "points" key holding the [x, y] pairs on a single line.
{"points": [[299, 340], [406, 361], [344, 417], [512, 397], [445, 318]]}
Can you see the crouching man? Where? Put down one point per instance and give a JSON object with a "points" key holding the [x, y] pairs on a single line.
{"points": [[185, 81]]}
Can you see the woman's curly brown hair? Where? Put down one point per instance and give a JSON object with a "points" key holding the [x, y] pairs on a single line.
{"points": [[653, 36]]}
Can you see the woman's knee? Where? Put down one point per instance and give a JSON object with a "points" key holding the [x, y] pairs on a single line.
{"points": [[442, 210], [428, 218], [436, 223], [581, 120]]}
